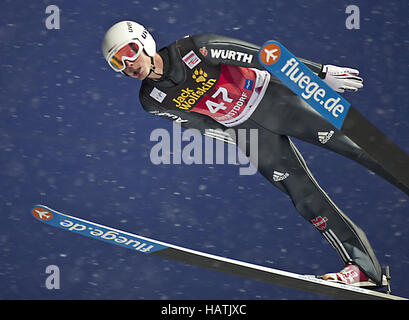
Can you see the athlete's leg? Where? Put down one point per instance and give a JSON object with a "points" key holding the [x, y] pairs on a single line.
{"points": [[282, 112], [281, 163]]}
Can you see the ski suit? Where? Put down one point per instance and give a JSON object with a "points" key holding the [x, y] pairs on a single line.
{"points": [[216, 82]]}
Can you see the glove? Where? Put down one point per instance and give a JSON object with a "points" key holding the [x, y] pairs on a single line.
{"points": [[341, 79]]}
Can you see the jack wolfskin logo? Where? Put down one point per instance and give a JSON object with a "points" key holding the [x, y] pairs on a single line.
{"points": [[199, 75], [320, 223], [279, 176], [189, 97]]}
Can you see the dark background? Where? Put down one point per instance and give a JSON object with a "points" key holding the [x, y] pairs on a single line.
{"points": [[74, 137]]}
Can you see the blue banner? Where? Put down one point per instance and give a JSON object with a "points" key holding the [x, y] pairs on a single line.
{"points": [[280, 62]]}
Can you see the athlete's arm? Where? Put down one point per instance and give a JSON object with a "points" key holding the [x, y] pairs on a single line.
{"points": [[222, 49]]}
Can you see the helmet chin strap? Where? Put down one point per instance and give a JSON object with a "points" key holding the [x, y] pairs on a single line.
{"points": [[152, 70]]}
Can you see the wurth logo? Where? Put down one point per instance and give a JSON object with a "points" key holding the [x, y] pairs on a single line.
{"points": [[320, 222], [231, 55]]}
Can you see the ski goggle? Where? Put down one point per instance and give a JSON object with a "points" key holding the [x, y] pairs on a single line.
{"points": [[130, 51]]}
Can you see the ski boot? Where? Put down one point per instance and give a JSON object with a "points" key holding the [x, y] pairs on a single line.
{"points": [[353, 276]]}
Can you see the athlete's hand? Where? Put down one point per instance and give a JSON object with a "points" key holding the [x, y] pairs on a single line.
{"points": [[341, 79]]}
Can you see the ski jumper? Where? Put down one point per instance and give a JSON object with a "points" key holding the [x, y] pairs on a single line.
{"points": [[216, 82]]}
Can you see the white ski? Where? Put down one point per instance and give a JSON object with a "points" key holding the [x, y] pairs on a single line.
{"points": [[205, 260]]}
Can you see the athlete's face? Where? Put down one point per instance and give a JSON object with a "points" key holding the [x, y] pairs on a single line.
{"points": [[139, 68]]}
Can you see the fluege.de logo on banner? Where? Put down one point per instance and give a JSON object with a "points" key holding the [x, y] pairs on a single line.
{"points": [[303, 82]]}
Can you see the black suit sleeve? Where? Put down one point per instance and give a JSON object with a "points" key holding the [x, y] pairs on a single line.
{"points": [[239, 53]]}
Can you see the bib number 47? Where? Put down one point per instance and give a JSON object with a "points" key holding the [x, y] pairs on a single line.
{"points": [[214, 107]]}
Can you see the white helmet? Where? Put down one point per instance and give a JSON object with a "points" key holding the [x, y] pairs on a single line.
{"points": [[123, 33]]}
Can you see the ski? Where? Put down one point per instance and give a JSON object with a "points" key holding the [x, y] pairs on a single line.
{"points": [[196, 258], [281, 63]]}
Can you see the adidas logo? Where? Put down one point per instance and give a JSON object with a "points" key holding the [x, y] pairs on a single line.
{"points": [[279, 176], [324, 137]]}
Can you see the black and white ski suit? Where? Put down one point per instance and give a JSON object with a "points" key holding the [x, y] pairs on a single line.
{"points": [[216, 82]]}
